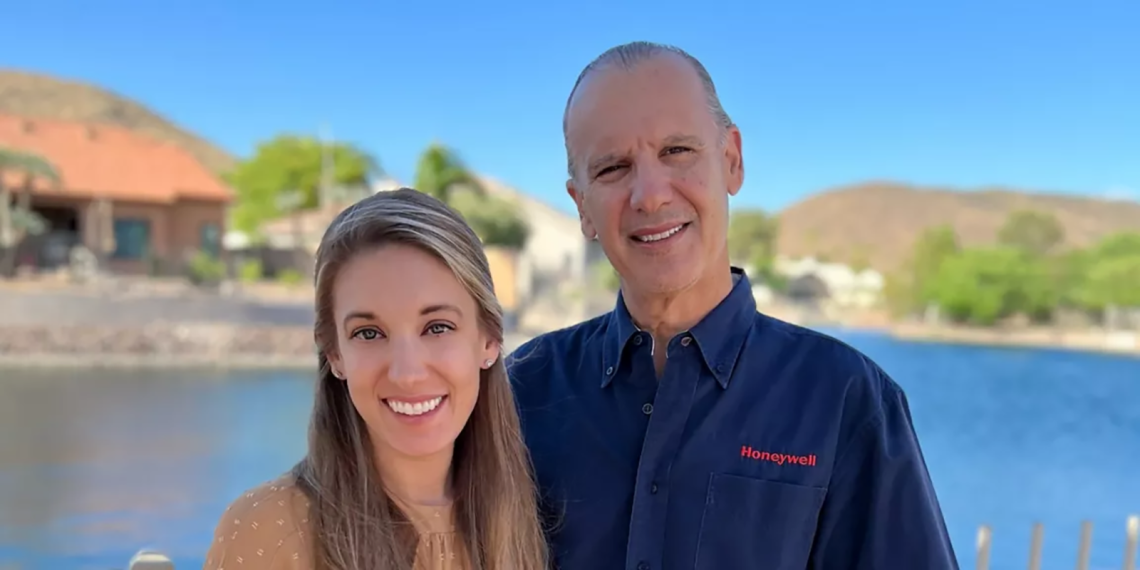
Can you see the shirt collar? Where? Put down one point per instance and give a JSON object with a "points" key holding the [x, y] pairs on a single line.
{"points": [[719, 335]]}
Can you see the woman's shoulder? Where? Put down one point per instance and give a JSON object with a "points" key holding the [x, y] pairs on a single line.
{"points": [[266, 527]]}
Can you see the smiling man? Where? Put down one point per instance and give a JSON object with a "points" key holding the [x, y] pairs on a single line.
{"points": [[684, 429]]}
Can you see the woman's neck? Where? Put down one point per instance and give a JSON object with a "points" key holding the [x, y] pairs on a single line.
{"points": [[423, 481]]}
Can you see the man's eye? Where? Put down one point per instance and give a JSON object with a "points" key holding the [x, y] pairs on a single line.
{"points": [[607, 170], [677, 149]]}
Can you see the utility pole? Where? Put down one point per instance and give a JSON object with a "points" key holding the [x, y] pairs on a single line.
{"points": [[328, 169]]}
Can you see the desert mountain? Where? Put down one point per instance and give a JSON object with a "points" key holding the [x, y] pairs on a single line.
{"points": [[35, 95], [878, 223]]}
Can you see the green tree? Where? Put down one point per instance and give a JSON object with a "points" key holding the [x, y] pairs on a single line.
{"points": [[285, 174], [19, 220], [981, 286], [607, 277], [495, 220], [752, 238], [1111, 274], [751, 233], [440, 173], [1035, 233], [911, 289]]}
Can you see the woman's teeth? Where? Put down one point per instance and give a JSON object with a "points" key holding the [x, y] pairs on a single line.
{"points": [[416, 409]]}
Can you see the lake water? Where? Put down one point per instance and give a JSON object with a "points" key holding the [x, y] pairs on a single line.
{"points": [[95, 465]]}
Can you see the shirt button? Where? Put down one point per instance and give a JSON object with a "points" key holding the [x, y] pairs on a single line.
{"points": [[685, 341], [637, 340], [653, 489], [642, 566], [647, 409], [609, 370]]}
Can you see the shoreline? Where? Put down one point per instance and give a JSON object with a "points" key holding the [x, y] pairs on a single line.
{"points": [[1122, 343], [230, 346], [252, 362], [166, 346]]}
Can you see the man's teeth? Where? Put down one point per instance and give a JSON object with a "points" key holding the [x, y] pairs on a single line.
{"points": [[416, 409], [660, 236]]}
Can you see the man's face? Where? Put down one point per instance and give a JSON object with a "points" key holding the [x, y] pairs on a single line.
{"points": [[653, 173]]}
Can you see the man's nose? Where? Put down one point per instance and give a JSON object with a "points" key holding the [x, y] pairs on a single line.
{"points": [[409, 362], [652, 188]]}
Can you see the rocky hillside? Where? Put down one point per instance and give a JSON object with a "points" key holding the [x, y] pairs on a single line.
{"points": [[35, 95], [878, 223]]}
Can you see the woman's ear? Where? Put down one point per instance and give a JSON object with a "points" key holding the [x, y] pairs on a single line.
{"points": [[491, 352], [336, 365]]}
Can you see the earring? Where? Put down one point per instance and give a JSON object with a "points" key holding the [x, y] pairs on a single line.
{"points": [[487, 363]]}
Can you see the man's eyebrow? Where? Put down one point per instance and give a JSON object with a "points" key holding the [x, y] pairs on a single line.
{"points": [[684, 140], [603, 160]]}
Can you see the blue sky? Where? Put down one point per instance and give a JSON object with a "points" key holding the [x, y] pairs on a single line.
{"points": [[1040, 95]]}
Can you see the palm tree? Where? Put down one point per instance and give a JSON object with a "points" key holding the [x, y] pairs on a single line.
{"points": [[17, 222], [440, 173]]}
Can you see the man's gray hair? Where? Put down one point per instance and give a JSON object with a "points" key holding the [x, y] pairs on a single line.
{"points": [[628, 56]]}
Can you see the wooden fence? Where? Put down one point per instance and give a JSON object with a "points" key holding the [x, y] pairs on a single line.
{"points": [[1084, 549]]}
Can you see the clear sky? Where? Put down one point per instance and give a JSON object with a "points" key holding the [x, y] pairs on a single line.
{"points": [[1031, 94]]}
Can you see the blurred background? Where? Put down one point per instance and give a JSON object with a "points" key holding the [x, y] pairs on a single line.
{"points": [[952, 188]]}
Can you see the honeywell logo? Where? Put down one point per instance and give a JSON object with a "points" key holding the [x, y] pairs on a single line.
{"points": [[777, 458]]}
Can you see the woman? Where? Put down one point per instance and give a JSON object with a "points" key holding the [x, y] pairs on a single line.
{"points": [[415, 456]]}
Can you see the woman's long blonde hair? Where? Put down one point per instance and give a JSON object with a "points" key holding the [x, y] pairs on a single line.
{"points": [[355, 524]]}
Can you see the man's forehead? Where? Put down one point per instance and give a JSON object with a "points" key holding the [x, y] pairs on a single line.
{"points": [[655, 98]]}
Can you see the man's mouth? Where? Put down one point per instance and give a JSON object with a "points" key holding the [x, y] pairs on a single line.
{"points": [[658, 236]]}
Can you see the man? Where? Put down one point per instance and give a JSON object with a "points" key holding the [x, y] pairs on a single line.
{"points": [[684, 429]]}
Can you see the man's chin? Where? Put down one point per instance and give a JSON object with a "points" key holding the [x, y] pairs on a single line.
{"points": [[664, 279]]}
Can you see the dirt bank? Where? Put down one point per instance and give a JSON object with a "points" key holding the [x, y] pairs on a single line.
{"points": [[1085, 340]]}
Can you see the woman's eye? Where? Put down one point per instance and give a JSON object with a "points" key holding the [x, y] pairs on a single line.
{"points": [[438, 328], [366, 334]]}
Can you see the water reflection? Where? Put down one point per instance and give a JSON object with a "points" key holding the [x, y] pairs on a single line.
{"points": [[98, 458]]}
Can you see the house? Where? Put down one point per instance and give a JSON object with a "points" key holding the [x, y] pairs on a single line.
{"points": [[556, 256], [814, 281], [140, 204]]}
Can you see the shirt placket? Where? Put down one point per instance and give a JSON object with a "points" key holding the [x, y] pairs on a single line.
{"points": [[668, 413]]}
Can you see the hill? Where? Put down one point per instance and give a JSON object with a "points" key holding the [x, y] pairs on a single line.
{"points": [[42, 96], [878, 222]]}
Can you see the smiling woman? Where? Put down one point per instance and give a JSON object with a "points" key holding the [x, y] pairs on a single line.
{"points": [[415, 458]]}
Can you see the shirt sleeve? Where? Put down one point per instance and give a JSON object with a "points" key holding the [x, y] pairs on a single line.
{"points": [[260, 531], [880, 511]]}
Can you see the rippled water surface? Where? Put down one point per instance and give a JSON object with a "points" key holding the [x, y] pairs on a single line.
{"points": [[95, 465]]}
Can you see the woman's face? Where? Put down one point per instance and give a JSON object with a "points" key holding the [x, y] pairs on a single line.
{"points": [[410, 348]]}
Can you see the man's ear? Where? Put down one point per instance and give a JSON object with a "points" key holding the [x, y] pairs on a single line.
{"points": [[588, 228], [734, 161]]}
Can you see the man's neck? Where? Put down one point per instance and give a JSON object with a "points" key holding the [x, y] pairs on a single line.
{"points": [[666, 315]]}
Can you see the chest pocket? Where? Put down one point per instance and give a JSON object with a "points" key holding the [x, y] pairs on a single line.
{"points": [[752, 524]]}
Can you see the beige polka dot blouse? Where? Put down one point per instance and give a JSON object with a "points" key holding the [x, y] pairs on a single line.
{"points": [[267, 528]]}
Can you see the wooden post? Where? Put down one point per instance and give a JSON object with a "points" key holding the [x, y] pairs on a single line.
{"points": [[983, 545], [1131, 542], [1085, 547], [1035, 546]]}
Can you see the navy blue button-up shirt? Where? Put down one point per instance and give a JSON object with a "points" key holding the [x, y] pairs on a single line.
{"points": [[763, 446]]}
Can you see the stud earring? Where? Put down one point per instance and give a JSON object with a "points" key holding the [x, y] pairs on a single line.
{"points": [[487, 363]]}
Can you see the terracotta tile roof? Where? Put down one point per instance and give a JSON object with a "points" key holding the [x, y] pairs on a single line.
{"points": [[106, 161]]}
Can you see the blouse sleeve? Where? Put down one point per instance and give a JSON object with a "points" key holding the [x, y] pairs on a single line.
{"points": [[264, 529]]}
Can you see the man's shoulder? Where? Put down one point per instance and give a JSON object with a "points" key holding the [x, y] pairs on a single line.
{"points": [[823, 358], [547, 348]]}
